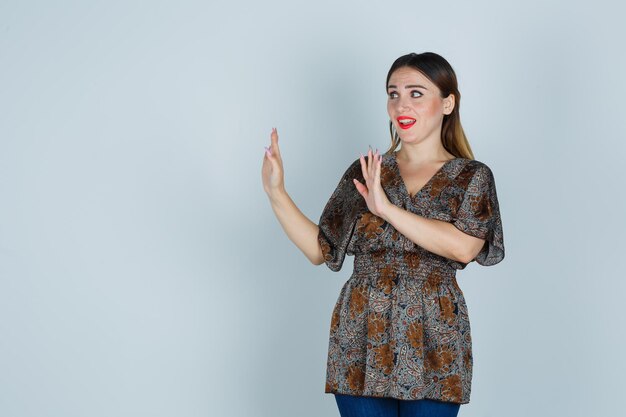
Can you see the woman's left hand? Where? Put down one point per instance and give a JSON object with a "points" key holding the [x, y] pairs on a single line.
{"points": [[372, 191]]}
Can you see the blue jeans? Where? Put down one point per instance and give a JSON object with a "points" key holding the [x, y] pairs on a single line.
{"points": [[360, 406]]}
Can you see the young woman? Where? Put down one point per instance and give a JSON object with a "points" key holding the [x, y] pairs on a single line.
{"points": [[400, 342]]}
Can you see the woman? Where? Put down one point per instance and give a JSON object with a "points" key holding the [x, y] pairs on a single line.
{"points": [[400, 342]]}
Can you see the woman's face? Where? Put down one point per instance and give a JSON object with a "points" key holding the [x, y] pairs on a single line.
{"points": [[412, 97]]}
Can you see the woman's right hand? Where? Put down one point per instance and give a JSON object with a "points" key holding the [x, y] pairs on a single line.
{"points": [[299, 228], [272, 171]]}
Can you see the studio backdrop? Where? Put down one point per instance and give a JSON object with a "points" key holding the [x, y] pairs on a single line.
{"points": [[143, 273]]}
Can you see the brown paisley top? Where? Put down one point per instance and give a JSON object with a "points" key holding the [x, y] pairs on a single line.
{"points": [[400, 327]]}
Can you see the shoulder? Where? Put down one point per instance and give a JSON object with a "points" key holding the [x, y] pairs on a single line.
{"points": [[474, 174], [475, 164], [474, 167]]}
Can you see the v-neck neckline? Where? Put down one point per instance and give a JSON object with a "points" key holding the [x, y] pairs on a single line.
{"points": [[403, 183]]}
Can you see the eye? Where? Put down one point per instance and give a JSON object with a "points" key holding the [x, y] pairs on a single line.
{"points": [[391, 94], [415, 91]]}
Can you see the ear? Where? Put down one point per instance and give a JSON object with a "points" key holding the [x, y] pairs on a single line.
{"points": [[448, 104]]}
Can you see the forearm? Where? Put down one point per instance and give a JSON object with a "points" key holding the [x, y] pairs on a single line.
{"points": [[299, 229], [435, 236]]}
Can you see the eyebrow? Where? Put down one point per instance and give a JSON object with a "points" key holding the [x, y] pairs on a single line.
{"points": [[408, 86]]}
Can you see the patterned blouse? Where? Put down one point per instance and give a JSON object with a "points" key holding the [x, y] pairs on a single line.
{"points": [[400, 327]]}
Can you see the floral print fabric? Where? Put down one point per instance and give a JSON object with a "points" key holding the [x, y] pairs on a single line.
{"points": [[400, 327]]}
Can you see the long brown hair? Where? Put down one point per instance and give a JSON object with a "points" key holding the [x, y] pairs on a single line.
{"points": [[440, 72]]}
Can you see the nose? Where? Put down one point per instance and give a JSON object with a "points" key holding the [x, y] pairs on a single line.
{"points": [[402, 103]]}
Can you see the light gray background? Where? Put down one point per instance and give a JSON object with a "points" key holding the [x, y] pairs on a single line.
{"points": [[142, 272]]}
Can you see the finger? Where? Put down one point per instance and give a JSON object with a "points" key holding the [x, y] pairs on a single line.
{"points": [[374, 164], [379, 162], [360, 188], [271, 159], [274, 148], [363, 166], [370, 165], [370, 155], [268, 149]]}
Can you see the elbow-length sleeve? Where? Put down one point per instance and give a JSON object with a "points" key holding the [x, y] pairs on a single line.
{"points": [[478, 215], [339, 217]]}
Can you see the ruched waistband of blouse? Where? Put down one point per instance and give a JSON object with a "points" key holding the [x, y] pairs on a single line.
{"points": [[402, 263]]}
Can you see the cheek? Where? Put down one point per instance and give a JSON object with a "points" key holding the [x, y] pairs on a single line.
{"points": [[432, 109]]}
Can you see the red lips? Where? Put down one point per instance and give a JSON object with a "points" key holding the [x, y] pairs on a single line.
{"points": [[405, 126]]}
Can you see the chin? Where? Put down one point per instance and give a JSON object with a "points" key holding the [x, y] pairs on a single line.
{"points": [[408, 138]]}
